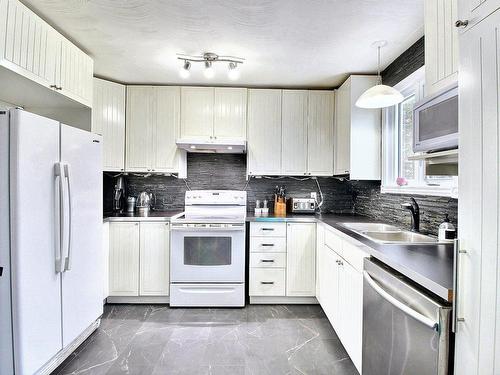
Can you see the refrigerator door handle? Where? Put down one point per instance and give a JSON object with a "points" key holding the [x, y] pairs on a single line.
{"points": [[67, 260], [400, 305], [59, 177]]}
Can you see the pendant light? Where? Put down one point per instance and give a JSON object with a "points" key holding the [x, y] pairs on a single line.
{"points": [[379, 96]]}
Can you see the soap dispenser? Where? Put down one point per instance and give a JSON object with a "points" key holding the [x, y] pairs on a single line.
{"points": [[447, 231]]}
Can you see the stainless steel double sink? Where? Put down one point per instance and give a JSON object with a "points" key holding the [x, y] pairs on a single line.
{"points": [[389, 234]]}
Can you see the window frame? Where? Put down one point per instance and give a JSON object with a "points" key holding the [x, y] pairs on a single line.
{"points": [[414, 84]]}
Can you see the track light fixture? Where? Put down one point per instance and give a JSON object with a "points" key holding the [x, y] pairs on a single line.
{"points": [[209, 59], [184, 72]]}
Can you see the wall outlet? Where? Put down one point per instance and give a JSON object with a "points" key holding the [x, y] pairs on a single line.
{"points": [[314, 195]]}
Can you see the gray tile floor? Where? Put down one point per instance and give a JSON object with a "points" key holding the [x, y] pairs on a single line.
{"points": [[260, 340]]}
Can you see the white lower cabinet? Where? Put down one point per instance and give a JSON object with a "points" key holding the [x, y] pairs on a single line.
{"points": [[301, 259], [124, 259], [340, 285], [139, 259], [283, 260], [154, 259]]}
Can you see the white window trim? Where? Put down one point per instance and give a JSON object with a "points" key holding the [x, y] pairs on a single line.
{"points": [[389, 173]]}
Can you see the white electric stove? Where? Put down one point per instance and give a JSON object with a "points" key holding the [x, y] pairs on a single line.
{"points": [[207, 255]]}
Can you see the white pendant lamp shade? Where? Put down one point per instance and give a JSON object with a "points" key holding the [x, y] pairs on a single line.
{"points": [[379, 96]]}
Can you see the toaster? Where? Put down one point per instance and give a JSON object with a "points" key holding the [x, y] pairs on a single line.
{"points": [[302, 205]]}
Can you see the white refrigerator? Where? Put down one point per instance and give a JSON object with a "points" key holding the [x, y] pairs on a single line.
{"points": [[50, 240]]}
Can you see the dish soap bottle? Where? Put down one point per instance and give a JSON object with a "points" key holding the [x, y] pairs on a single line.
{"points": [[447, 231]]}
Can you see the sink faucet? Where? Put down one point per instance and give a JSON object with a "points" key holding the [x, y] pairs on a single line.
{"points": [[415, 214]]}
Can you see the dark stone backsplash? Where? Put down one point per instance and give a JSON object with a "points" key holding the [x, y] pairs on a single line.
{"points": [[227, 171], [370, 202]]}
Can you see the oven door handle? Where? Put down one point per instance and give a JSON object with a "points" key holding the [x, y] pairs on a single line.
{"points": [[207, 229], [400, 305]]}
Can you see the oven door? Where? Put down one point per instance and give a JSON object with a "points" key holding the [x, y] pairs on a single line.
{"points": [[207, 253]]}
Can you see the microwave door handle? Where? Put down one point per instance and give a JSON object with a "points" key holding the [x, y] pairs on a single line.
{"points": [[400, 305]]}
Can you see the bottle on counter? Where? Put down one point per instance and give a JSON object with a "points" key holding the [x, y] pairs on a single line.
{"points": [[447, 231]]}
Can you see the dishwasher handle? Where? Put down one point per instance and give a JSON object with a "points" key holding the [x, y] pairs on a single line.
{"points": [[400, 305]]}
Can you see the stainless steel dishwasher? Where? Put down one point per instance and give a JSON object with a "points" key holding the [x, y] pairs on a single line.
{"points": [[405, 331]]}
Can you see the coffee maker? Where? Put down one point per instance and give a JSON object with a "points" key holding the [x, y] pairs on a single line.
{"points": [[119, 194]]}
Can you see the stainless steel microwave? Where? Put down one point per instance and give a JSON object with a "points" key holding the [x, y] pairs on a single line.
{"points": [[435, 122]]}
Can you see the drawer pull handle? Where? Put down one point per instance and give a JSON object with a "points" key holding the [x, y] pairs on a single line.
{"points": [[267, 244], [267, 228], [267, 260], [267, 282]]}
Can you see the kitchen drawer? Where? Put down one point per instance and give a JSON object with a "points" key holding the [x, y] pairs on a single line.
{"points": [[267, 282], [268, 229], [354, 254], [268, 260], [267, 244], [333, 240]]}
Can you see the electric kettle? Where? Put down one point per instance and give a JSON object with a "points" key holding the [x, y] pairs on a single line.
{"points": [[144, 202]]}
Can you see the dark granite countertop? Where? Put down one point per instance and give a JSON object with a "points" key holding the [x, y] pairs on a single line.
{"points": [[429, 265], [136, 216]]}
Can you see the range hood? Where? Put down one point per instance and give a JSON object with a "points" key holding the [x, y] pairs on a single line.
{"points": [[227, 146]]}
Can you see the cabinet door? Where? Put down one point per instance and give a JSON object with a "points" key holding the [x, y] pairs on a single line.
{"points": [[154, 259], [76, 73], [320, 237], [441, 44], [342, 138], [29, 45], [264, 132], [294, 132], [108, 120], [230, 113], [105, 256], [477, 349], [475, 10], [166, 129], [140, 116], [350, 307], [301, 259], [124, 259], [330, 285], [197, 112], [320, 133]]}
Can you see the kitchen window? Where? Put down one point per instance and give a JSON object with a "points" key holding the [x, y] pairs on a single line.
{"points": [[401, 175]]}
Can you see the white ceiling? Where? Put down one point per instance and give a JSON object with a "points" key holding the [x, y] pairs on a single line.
{"points": [[286, 43]]}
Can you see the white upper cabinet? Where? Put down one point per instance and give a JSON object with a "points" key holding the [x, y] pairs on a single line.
{"points": [[166, 129], [320, 133], [35, 59], [197, 112], [474, 11], [152, 128], [230, 113], [294, 132], [108, 120], [32, 48], [441, 45], [301, 260], [357, 147], [140, 113], [213, 113], [75, 77], [264, 132]]}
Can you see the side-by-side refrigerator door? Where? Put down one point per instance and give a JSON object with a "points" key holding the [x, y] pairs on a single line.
{"points": [[34, 207], [82, 302]]}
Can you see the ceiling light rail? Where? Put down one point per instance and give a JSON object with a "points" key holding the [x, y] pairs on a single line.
{"points": [[208, 59]]}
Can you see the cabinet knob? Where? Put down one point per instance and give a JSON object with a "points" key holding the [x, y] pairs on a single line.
{"points": [[136, 224], [461, 23], [53, 86]]}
